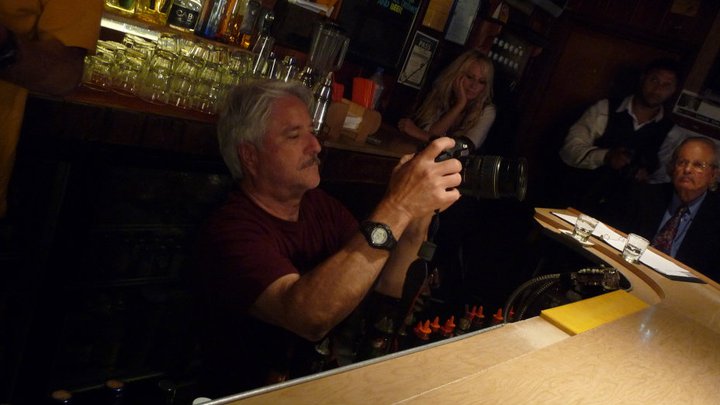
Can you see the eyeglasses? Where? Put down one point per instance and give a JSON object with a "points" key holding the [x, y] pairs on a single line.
{"points": [[695, 165]]}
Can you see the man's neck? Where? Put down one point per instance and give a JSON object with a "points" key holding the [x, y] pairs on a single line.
{"points": [[643, 112], [284, 207]]}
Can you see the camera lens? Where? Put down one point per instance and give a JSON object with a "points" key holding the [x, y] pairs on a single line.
{"points": [[494, 177]]}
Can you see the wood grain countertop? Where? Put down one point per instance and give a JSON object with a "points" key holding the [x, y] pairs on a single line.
{"points": [[668, 353]]}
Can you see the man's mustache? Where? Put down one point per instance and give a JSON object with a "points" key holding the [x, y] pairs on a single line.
{"points": [[311, 162]]}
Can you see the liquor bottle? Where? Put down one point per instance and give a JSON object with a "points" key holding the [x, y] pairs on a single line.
{"points": [[153, 11], [464, 324], [60, 397], [377, 78], [167, 391], [122, 7], [479, 321], [498, 317], [232, 20], [422, 333], [210, 18], [114, 392], [448, 329], [184, 14], [435, 329]]}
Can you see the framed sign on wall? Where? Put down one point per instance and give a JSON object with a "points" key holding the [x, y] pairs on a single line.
{"points": [[418, 59]]}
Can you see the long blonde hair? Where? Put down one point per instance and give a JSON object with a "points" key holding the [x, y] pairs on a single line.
{"points": [[441, 96]]}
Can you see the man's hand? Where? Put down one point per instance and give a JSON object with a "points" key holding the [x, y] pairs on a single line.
{"points": [[617, 158], [420, 185]]}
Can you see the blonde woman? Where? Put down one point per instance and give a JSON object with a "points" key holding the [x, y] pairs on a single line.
{"points": [[459, 104]]}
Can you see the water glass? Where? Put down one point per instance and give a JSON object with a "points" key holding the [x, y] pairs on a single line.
{"points": [[126, 71], [584, 227], [183, 83], [155, 79], [209, 88], [634, 248], [96, 71]]}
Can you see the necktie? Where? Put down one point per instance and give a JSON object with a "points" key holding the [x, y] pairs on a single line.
{"points": [[664, 238]]}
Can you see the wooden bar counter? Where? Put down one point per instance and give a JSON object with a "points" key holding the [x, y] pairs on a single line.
{"points": [[668, 353]]}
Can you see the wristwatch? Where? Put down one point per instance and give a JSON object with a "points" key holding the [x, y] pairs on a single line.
{"points": [[378, 235], [8, 50]]}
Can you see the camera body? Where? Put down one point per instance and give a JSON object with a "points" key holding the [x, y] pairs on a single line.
{"points": [[486, 176]]}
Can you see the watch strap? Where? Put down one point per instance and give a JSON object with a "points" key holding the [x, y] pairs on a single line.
{"points": [[368, 227]]}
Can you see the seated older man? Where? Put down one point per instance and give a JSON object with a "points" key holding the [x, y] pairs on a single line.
{"points": [[681, 218]]}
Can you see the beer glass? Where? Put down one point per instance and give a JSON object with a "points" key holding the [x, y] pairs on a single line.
{"points": [[209, 88], [183, 83], [155, 78], [126, 71]]}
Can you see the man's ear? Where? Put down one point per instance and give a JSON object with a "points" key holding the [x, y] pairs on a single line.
{"points": [[247, 153]]}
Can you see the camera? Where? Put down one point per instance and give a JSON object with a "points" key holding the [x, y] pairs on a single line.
{"points": [[490, 177]]}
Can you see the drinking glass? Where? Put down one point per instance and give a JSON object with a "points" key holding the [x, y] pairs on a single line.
{"points": [[96, 71], [634, 248], [183, 83], [155, 78], [584, 227], [126, 71], [209, 88]]}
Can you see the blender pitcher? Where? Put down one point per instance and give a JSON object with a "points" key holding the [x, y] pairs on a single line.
{"points": [[328, 48]]}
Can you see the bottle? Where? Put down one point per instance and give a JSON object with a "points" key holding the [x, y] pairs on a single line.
{"points": [[498, 317], [61, 397], [229, 29], [184, 14], [122, 7], [153, 11], [464, 324], [114, 392], [210, 18], [322, 97], [377, 78], [448, 328], [479, 321], [166, 391]]}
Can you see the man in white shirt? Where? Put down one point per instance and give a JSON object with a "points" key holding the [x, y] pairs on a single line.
{"points": [[617, 141]]}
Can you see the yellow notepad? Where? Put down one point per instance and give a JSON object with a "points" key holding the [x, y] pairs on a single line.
{"points": [[587, 314]]}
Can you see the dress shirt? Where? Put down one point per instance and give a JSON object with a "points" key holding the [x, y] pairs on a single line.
{"points": [[579, 149]]}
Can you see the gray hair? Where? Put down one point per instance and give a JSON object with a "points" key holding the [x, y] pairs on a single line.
{"points": [[707, 141], [244, 116]]}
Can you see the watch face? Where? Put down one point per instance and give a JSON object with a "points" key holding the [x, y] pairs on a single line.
{"points": [[379, 236]]}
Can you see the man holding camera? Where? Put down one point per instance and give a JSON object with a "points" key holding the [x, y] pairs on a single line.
{"points": [[282, 263]]}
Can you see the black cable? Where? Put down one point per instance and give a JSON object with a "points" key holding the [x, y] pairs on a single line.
{"points": [[511, 300]]}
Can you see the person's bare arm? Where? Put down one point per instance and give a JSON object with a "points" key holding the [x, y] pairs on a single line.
{"points": [[407, 126], [45, 66], [446, 121], [312, 304]]}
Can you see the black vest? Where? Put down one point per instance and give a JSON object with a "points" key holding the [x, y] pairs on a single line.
{"points": [[643, 143]]}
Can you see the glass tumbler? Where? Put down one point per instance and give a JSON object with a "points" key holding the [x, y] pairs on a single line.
{"points": [[155, 78], [183, 83], [126, 71], [209, 88]]}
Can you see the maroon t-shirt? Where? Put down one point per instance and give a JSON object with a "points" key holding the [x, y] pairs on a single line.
{"points": [[241, 250]]}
